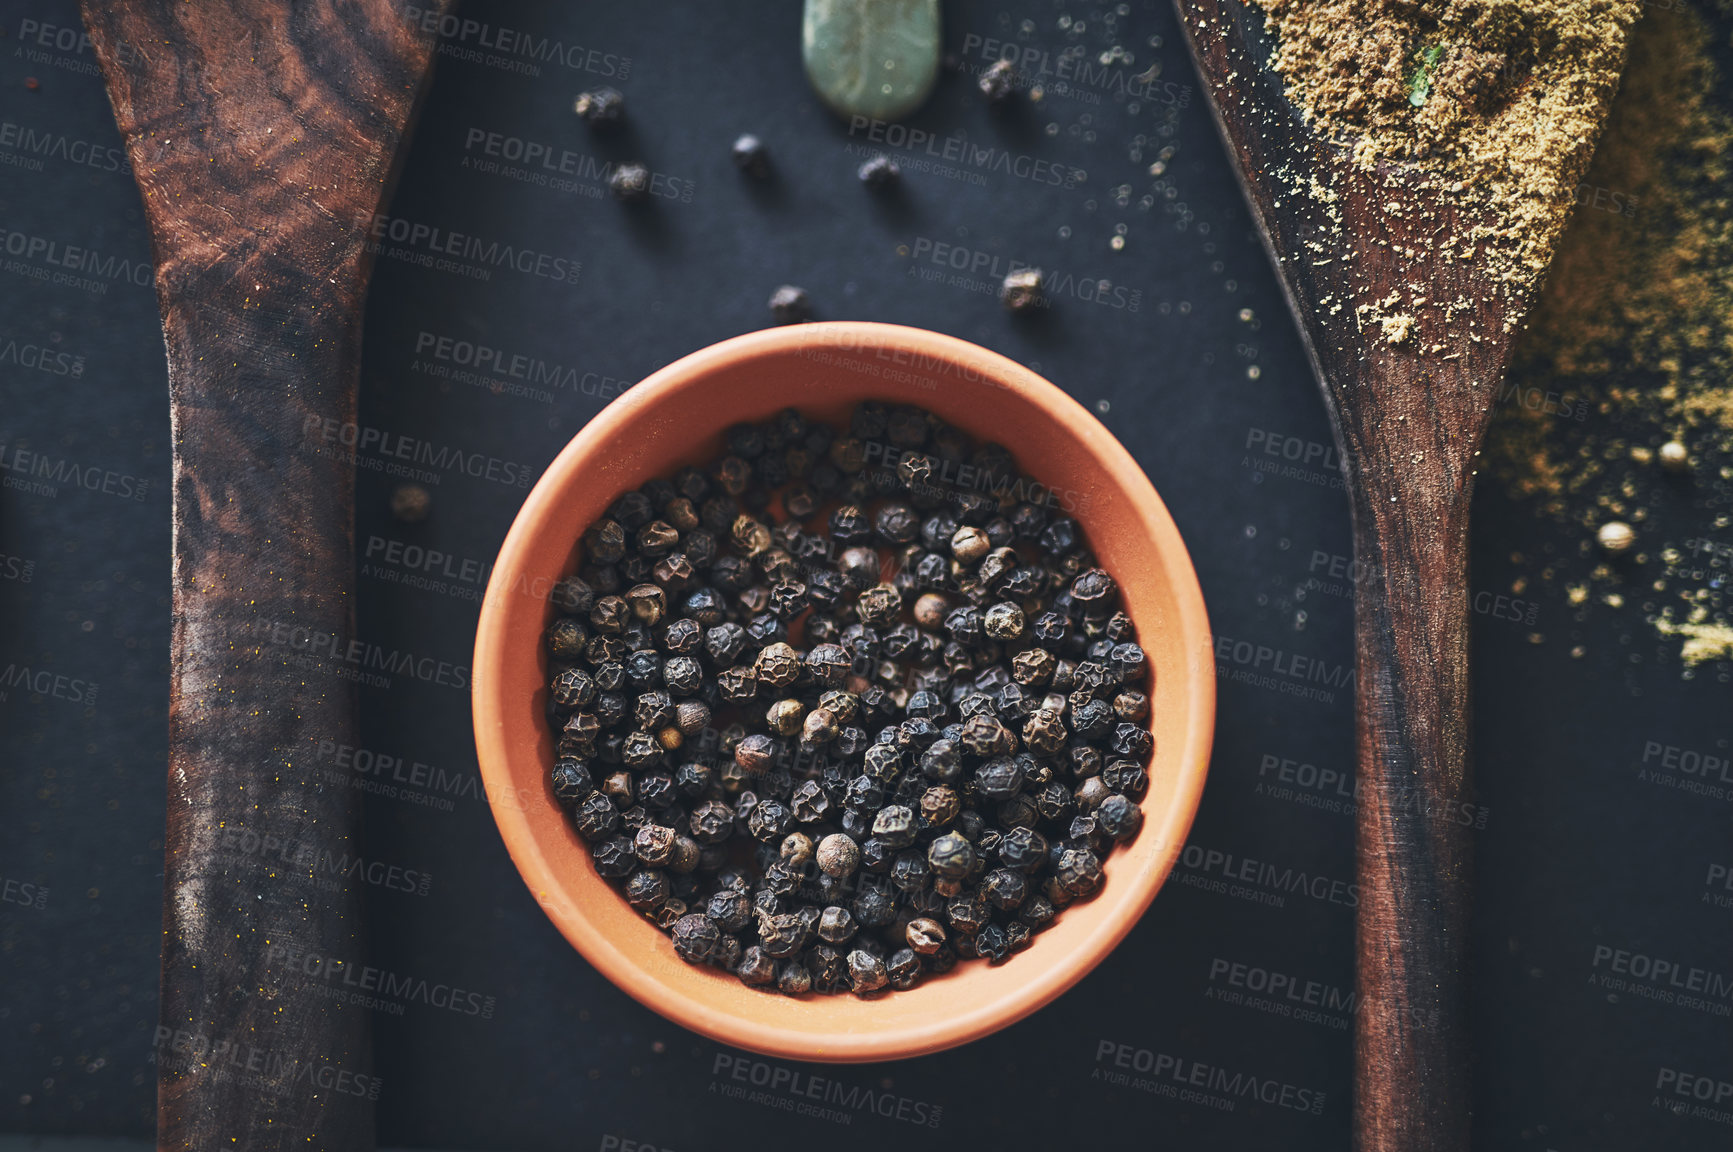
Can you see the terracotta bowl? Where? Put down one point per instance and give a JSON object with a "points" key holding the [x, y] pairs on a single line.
{"points": [[676, 417]]}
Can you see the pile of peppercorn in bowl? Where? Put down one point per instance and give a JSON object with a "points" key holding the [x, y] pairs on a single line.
{"points": [[851, 662]]}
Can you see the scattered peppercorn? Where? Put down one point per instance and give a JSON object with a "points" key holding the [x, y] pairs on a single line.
{"points": [[751, 156], [630, 182], [999, 83], [1021, 291], [789, 305], [601, 107], [879, 172], [833, 726]]}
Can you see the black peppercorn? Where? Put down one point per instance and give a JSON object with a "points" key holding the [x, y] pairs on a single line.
{"points": [[782, 935], [1126, 776], [967, 914], [999, 778], [951, 856], [1005, 889], [769, 820], [643, 668], [897, 523], [868, 420], [1079, 872], [1132, 740], [573, 688], [996, 567], [733, 475], [895, 826], [737, 684], [683, 636], [595, 817], [1033, 667], [907, 427], [683, 675], [836, 925], [602, 107], [730, 909], [793, 979], [647, 890], [565, 639], [609, 615], [992, 944], [630, 182], [654, 845], [1118, 817], [640, 750], [695, 937], [874, 907], [879, 604], [1091, 793], [1059, 537], [1093, 590], [998, 83], [1131, 706], [614, 858], [755, 753], [756, 967], [653, 710], [751, 156], [1023, 849], [718, 514], [573, 596], [1003, 622], [712, 822], [656, 791], [866, 972], [850, 525], [939, 806], [571, 780], [789, 305], [745, 440], [705, 606], [1091, 720], [879, 172], [903, 969], [986, 736], [925, 935], [725, 642]]}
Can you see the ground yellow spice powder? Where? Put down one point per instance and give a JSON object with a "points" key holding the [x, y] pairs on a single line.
{"points": [[1502, 97], [1634, 331]]}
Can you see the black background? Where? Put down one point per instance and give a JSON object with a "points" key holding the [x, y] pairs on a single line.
{"points": [[1577, 851]]}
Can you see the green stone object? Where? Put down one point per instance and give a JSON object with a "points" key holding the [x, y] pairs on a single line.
{"points": [[874, 58]]}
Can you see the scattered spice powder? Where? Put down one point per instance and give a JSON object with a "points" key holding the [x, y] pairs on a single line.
{"points": [[1503, 98], [1633, 336]]}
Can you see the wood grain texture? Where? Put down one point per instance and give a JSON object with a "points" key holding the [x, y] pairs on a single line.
{"points": [[1409, 349], [263, 136]]}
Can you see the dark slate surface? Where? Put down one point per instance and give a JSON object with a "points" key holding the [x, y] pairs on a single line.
{"points": [[1186, 353]]}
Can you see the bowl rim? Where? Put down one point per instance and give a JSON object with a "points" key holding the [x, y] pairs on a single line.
{"points": [[493, 749]]}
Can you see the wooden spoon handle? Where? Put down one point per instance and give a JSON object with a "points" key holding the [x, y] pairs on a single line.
{"points": [[1411, 631], [262, 134]]}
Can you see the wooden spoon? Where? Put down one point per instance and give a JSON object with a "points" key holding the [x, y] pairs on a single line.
{"points": [[1409, 399], [263, 135]]}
